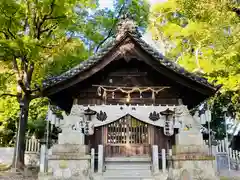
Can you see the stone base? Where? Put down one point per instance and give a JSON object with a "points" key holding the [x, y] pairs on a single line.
{"points": [[68, 161], [68, 169], [98, 176], [69, 150], [191, 159], [32, 159], [192, 170], [161, 176], [189, 138], [190, 149], [72, 137]]}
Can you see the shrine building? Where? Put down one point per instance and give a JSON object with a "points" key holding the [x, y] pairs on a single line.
{"points": [[128, 98]]}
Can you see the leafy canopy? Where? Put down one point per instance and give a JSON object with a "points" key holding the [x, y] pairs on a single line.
{"points": [[204, 37], [54, 36]]}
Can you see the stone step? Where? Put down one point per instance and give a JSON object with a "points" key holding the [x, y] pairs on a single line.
{"points": [[128, 159], [128, 169], [128, 177], [116, 166], [123, 165], [131, 172]]}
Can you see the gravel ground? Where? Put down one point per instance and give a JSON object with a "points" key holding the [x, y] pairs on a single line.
{"points": [[17, 176]]}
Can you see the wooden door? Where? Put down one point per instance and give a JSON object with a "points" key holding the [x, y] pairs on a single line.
{"points": [[127, 137]]}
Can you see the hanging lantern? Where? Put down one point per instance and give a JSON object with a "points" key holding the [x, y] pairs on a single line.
{"points": [[168, 123], [81, 124], [88, 127]]}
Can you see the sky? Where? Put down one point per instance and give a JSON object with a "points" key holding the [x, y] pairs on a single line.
{"points": [[109, 3]]}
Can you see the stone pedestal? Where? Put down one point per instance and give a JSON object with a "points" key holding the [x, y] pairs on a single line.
{"points": [[69, 159], [191, 159]]}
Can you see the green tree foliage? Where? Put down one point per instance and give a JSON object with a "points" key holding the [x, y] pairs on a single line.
{"points": [[204, 37], [99, 25], [30, 33], [44, 38]]}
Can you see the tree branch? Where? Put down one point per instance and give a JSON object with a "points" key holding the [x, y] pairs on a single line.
{"points": [[6, 94], [47, 47], [37, 95], [10, 23], [23, 68], [29, 74], [54, 26], [236, 10], [26, 25], [21, 84], [64, 44], [57, 17], [113, 25], [37, 88], [15, 69], [20, 77], [51, 8], [5, 34], [45, 17], [11, 33]]}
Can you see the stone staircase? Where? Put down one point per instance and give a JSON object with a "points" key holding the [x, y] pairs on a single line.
{"points": [[128, 169]]}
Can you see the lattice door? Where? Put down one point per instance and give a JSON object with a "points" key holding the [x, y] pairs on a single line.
{"points": [[127, 137]]}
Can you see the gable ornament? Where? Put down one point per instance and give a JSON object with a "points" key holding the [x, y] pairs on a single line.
{"points": [[126, 51]]}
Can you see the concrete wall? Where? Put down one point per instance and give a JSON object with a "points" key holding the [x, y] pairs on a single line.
{"points": [[6, 155]]}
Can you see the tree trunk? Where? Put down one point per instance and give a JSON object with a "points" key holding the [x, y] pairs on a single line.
{"points": [[18, 159]]}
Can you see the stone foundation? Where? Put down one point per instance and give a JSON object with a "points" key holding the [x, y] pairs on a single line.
{"points": [[68, 159], [191, 159]]}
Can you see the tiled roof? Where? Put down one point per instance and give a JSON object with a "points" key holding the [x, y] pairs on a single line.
{"points": [[79, 68], [152, 51], [170, 64]]}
